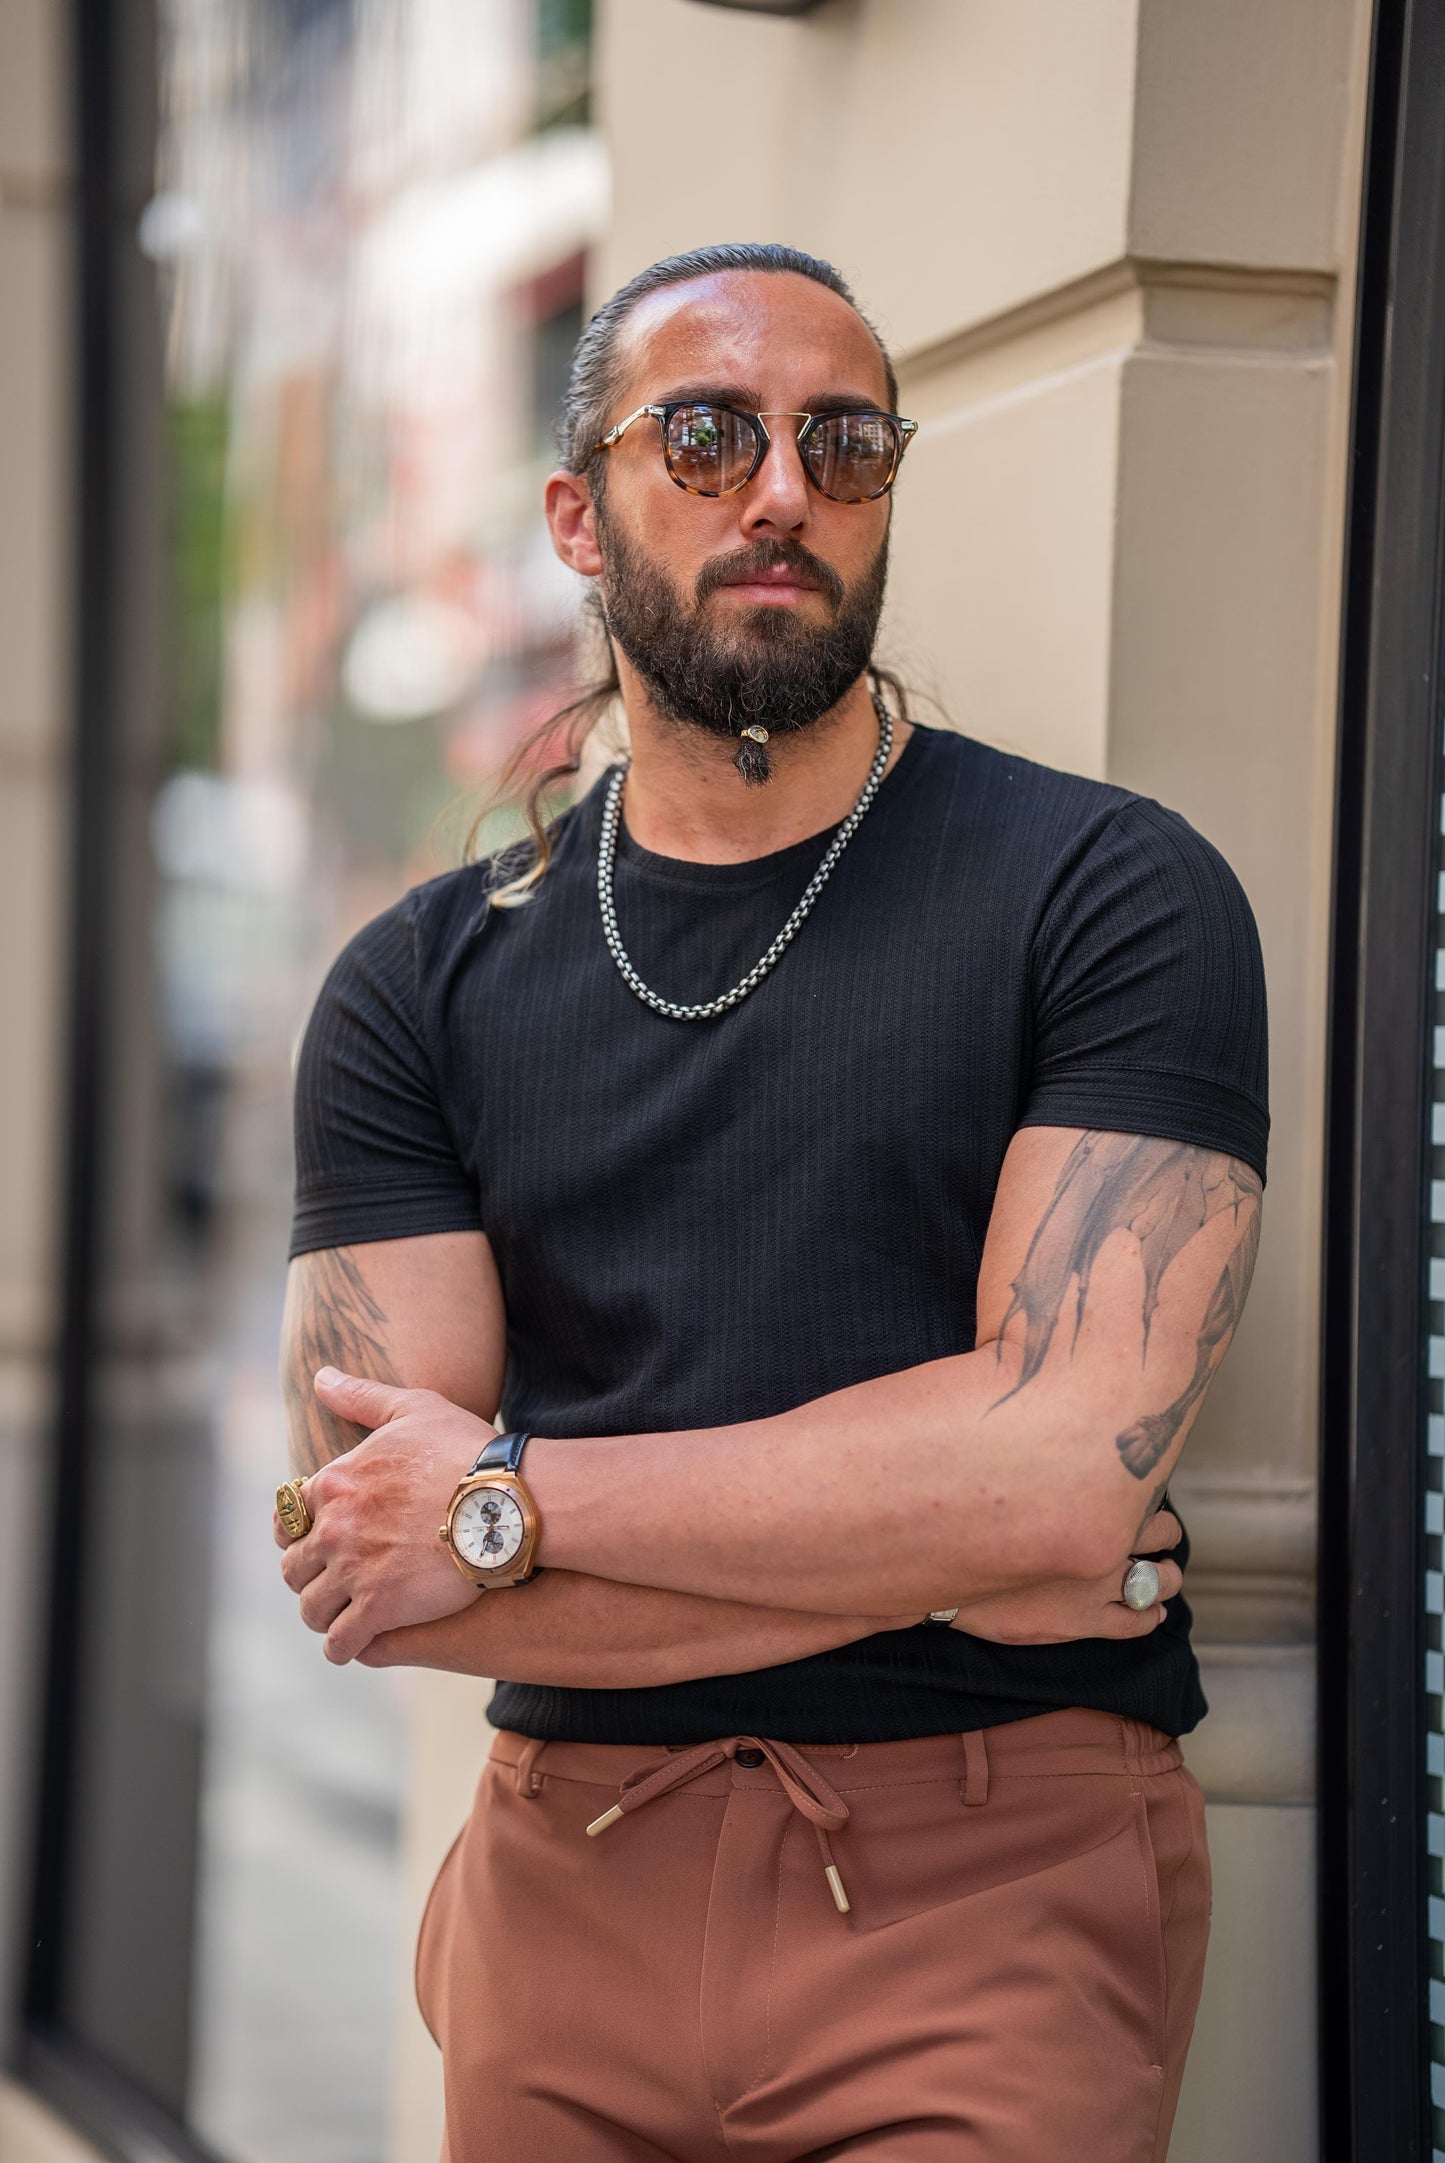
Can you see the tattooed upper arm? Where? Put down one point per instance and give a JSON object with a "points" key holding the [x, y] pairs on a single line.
{"points": [[425, 1313], [1187, 1224]]}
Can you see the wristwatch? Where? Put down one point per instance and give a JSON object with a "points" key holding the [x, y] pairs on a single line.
{"points": [[492, 1526]]}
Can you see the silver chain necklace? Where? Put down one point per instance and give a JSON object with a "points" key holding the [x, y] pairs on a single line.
{"points": [[606, 857]]}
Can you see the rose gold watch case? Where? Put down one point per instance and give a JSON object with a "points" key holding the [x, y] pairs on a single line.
{"points": [[520, 1566]]}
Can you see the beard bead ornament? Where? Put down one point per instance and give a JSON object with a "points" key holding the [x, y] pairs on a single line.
{"points": [[752, 760]]}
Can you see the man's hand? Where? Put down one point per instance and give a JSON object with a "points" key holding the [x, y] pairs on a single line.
{"points": [[372, 1560], [1061, 1610]]}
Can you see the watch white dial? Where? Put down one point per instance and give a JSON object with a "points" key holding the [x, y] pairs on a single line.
{"points": [[491, 1529], [487, 1528]]}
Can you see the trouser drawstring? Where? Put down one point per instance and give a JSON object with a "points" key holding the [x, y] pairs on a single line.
{"points": [[802, 1783]]}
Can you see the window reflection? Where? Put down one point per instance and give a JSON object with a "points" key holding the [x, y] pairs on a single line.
{"points": [[372, 223]]}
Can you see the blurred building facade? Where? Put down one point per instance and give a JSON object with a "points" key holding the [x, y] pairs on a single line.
{"points": [[1143, 267], [315, 274]]}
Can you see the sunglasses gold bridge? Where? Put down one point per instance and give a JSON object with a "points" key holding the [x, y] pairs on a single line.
{"points": [[661, 414]]}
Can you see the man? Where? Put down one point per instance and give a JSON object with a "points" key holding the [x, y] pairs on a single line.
{"points": [[842, 1163]]}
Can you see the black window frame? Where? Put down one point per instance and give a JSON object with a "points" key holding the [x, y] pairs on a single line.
{"points": [[116, 399], [1372, 1886]]}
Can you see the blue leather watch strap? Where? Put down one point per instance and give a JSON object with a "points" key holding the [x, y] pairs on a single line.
{"points": [[502, 1454]]}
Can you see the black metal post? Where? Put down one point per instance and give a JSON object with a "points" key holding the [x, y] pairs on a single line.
{"points": [[97, 528], [1374, 2056]]}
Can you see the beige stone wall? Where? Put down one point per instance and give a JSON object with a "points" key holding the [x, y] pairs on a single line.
{"points": [[35, 640], [31, 2133], [1113, 250]]}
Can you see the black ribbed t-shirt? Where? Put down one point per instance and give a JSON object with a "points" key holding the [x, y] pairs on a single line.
{"points": [[704, 1222]]}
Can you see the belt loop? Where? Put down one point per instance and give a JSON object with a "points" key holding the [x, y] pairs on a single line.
{"points": [[975, 1767], [529, 1780]]}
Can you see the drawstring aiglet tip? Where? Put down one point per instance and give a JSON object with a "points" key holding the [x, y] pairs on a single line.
{"points": [[830, 1869], [600, 1825]]}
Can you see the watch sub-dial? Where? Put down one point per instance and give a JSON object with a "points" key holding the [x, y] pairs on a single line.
{"points": [[488, 1529]]}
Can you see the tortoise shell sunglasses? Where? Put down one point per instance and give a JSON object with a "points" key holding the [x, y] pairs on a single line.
{"points": [[714, 450]]}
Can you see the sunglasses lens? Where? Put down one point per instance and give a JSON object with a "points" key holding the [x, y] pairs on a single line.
{"points": [[852, 455], [710, 448]]}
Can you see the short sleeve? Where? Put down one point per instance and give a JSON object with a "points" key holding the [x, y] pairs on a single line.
{"points": [[1148, 992], [375, 1158]]}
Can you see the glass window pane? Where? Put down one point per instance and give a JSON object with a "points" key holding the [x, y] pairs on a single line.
{"points": [[371, 225]]}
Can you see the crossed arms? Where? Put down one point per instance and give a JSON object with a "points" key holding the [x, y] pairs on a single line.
{"points": [[1012, 1481]]}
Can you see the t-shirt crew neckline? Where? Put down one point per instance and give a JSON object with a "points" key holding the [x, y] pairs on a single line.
{"points": [[753, 871]]}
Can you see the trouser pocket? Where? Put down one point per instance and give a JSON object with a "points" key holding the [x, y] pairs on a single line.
{"points": [[1153, 1940]]}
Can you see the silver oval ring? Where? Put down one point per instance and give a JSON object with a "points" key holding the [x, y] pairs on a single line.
{"points": [[1141, 1585]]}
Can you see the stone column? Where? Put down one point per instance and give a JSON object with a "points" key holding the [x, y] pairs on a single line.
{"points": [[1113, 249]]}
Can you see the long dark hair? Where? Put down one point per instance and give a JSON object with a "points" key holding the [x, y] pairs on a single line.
{"points": [[531, 778]]}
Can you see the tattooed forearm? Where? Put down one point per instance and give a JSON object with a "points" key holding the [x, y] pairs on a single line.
{"points": [[1164, 1193], [332, 1320], [1142, 1445]]}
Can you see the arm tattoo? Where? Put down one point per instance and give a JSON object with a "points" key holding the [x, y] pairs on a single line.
{"points": [[1142, 1445], [335, 1321], [1149, 1508], [1163, 1192]]}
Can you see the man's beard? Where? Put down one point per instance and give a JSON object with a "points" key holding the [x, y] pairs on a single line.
{"points": [[770, 670]]}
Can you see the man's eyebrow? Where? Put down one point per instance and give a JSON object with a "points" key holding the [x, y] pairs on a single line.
{"points": [[844, 402], [710, 394], [745, 398]]}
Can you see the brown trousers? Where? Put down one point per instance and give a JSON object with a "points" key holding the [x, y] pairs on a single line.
{"points": [[1014, 1979]]}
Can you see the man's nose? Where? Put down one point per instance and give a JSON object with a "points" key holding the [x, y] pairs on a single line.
{"points": [[776, 498]]}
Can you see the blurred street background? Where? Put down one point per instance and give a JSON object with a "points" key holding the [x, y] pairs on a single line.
{"points": [[288, 294], [363, 240], [370, 230]]}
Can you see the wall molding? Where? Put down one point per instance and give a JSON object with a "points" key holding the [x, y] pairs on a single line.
{"points": [[1133, 304], [1253, 1537], [1261, 289]]}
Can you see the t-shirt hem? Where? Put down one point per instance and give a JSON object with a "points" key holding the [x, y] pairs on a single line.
{"points": [[1172, 1107], [670, 1718], [362, 1217]]}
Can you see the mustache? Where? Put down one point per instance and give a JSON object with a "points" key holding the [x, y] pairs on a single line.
{"points": [[746, 563]]}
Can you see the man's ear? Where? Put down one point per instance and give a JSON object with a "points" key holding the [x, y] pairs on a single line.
{"points": [[572, 521]]}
